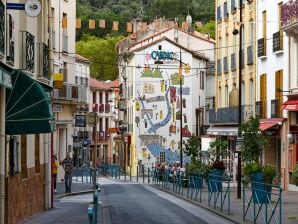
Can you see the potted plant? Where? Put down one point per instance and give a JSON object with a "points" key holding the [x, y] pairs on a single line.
{"points": [[261, 177], [215, 176], [294, 177], [198, 171]]}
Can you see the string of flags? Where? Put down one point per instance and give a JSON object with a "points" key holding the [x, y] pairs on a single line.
{"points": [[101, 23]]}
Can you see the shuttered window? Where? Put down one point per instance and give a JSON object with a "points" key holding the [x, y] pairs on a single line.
{"points": [[278, 93], [263, 95]]}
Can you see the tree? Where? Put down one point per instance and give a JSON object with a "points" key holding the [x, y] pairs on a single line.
{"points": [[102, 54], [192, 147], [253, 141], [218, 147], [208, 28]]}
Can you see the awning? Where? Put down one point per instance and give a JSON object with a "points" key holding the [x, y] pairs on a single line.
{"points": [[5, 78], [268, 123], [222, 131], [28, 106], [291, 105]]}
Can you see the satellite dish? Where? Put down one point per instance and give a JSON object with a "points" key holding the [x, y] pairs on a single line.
{"points": [[32, 8]]}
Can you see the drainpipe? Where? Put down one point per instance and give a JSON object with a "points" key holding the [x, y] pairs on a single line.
{"points": [[2, 155]]}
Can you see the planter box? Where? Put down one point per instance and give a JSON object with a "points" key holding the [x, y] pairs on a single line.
{"points": [[215, 181], [261, 192]]}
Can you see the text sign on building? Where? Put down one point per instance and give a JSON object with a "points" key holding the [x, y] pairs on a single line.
{"points": [[162, 55], [80, 121], [113, 130]]}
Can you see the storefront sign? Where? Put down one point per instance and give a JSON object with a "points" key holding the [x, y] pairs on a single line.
{"points": [[113, 130], [80, 121], [162, 55]]}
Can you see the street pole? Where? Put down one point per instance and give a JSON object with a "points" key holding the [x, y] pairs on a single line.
{"points": [[239, 101], [180, 79], [94, 159]]}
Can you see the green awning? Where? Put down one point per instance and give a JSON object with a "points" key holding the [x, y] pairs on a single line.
{"points": [[5, 78], [28, 106]]}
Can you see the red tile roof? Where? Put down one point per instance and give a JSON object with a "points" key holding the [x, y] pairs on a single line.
{"points": [[104, 84]]}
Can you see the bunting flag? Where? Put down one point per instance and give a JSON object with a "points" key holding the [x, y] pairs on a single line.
{"points": [[78, 24], [64, 23], [129, 27], [144, 26], [115, 25], [91, 24], [102, 23]]}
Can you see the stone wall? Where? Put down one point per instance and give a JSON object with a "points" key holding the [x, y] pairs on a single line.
{"points": [[24, 197]]}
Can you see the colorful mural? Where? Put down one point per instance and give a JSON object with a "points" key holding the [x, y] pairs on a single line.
{"points": [[151, 73]]}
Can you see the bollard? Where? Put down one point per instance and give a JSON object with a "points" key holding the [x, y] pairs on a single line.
{"points": [[95, 206], [90, 214], [137, 173], [130, 173], [116, 172]]}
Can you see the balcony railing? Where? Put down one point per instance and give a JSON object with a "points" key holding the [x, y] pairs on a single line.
{"points": [[107, 108], [101, 135], [43, 61], [95, 107], [219, 67], [261, 47], [277, 41], [226, 65], [289, 14], [101, 108], [229, 115], [64, 43], [233, 62], [68, 92], [250, 55], [28, 51]]}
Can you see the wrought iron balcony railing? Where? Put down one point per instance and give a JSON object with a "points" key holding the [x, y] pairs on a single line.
{"points": [[261, 47], [28, 51], [229, 115], [250, 55], [43, 61], [277, 41], [289, 14]]}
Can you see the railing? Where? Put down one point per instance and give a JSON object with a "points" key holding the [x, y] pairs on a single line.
{"points": [[250, 55], [229, 115], [28, 51], [262, 203], [68, 92], [107, 108], [43, 61], [261, 47], [95, 107], [233, 62], [277, 41], [289, 14], [64, 43], [226, 65]]}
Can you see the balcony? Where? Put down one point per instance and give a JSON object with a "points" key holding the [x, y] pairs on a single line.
{"points": [[229, 115], [95, 107], [250, 55], [289, 17], [101, 135], [28, 51], [68, 93], [107, 108], [43, 61], [261, 47], [101, 108], [64, 43], [219, 67], [277, 41], [226, 66]]}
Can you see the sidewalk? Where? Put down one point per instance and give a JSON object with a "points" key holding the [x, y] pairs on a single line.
{"points": [[76, 188]]}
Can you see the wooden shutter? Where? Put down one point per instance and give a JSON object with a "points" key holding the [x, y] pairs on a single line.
{"points": [[263, 92], [278, 94]]}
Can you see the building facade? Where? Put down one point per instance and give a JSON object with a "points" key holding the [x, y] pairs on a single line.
{"points": [[26, 114], [104, 96], [271, 83], [289, 24], [150, 70]]}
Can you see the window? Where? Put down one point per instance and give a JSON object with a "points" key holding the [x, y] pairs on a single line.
{"points": [[162, 157], [100, 124], [24, 173], [243, 93], [13, 156], [202, 78], [227, 96], [107, 124], [227, 44], [263, 95], [107, 98], [100, 98], [37, 155]]}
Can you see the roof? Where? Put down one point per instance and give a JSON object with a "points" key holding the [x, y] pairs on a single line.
{"points": [[80, 58], [104, 84], [195, 54]]}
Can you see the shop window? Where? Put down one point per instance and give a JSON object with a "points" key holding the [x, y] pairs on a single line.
{"points": [[24, 172]]}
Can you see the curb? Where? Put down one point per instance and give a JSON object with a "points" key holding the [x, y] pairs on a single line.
{"points": [[73, 194], [200, 205]]}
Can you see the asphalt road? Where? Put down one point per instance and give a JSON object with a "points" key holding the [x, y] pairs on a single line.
{"points": [[126, 203]]}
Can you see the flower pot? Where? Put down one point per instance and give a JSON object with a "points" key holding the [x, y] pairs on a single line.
{"points": [[261, 192], [196, 181], [215, 181]]}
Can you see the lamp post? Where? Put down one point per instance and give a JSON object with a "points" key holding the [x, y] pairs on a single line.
{"points": [[180, 82]]}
